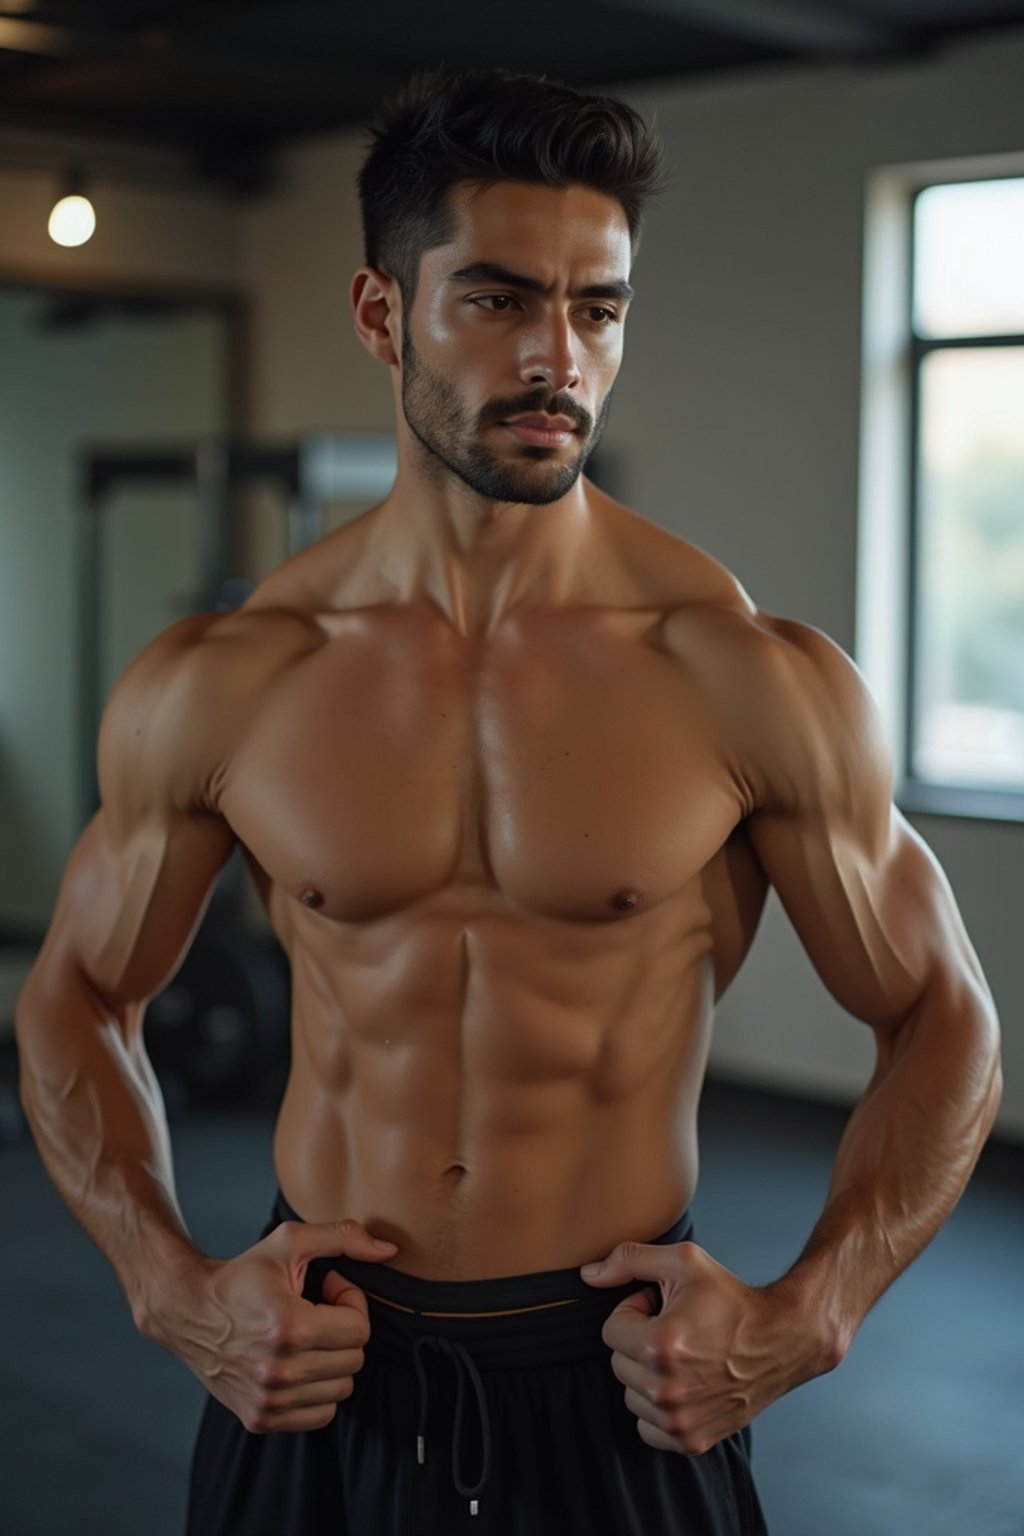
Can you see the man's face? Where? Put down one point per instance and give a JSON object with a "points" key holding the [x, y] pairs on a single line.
{"points": [[519, 315]]}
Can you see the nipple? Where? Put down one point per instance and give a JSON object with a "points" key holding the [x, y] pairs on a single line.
{"points": [[311, 897], [623, 901]]}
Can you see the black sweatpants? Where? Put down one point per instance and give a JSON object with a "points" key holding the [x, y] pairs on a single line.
{"points": [[507, 1425]]}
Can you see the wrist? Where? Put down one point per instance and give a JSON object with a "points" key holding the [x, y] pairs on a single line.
{"points": [[820, 1334], [156, 1294]]}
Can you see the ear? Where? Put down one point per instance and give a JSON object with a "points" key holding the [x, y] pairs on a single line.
{"points": [[377, 311]]}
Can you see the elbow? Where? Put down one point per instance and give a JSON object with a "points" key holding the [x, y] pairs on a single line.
{"points": [[968, 1001], [991, 1069], [23, 1008], [995, 1095]]}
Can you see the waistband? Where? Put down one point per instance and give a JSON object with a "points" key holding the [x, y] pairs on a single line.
{"points": [[511, 1322]]}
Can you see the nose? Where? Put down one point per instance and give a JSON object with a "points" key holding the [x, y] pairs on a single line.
{"points": [[549, 355]]}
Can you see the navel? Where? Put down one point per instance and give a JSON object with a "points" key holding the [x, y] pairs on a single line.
{"points": [[311, 897]]}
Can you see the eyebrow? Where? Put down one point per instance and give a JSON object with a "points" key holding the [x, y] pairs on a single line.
{"points": [[488, 272]]}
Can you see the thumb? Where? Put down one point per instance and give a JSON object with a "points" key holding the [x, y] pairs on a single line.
{"points": [[324, 1239], [634, 1261]]}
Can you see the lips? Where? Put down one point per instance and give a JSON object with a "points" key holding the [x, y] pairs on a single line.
{"points": [[542, 423], [541, 431]]}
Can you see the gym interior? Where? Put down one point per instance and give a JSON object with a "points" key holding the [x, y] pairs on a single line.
{"points": [[825, 364]]}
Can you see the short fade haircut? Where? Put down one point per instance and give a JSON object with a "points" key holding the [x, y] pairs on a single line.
{"points": [[485, 126]]}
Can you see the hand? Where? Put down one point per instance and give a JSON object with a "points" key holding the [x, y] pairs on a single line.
{"points": [[242, 1326], [711, 1358]]}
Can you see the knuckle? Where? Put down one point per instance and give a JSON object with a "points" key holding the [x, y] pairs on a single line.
{"points": [[665, 1348], [692, 1442], [287, 1335], [288, 1233], [278, 1334], [360, 1330], [264, 1404], [274, 1377]]}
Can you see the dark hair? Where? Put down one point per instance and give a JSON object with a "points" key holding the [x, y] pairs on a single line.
{"points": [[485, 126]]}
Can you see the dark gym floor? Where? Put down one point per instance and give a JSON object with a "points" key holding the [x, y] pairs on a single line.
{"points": [[919, 1433]]}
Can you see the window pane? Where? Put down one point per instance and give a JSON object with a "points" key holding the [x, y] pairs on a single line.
{"points": [[969, 705], [969, 258]]}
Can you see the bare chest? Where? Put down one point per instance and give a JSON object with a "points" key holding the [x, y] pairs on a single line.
{"points": [[569, 766]]}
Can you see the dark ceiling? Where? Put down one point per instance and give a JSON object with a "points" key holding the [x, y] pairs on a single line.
{"points": [[230, 81]]}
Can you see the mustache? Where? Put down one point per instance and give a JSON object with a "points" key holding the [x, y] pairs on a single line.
{"points": [[538, 401]]}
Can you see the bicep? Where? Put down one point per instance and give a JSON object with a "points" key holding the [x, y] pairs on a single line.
{"points": [[865, 894], [876, 918], [141, 874], [127, 910]]}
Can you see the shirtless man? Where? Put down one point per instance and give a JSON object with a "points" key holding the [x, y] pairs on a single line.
{"points": [[513, 768]]}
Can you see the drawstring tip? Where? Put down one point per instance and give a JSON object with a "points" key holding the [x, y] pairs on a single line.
{"points": [[474, 1507], [420, 1455]]}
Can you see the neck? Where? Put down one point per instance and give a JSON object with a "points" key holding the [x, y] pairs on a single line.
{"points": [[478, 560]]}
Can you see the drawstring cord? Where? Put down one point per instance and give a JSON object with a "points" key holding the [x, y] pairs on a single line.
{"points": [[463, 1363]]}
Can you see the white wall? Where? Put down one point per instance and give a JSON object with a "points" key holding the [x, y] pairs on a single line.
{"points": [[298, 254]]}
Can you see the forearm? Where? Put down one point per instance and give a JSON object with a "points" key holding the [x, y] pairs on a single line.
{"points": [[98, 1118], [905, 1157]]}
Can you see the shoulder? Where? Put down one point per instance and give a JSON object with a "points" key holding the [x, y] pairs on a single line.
{"points": [[810, 728], [178, 709], [811, 678], [800, 723], [668, 571], [211, 652], [709, 614]]}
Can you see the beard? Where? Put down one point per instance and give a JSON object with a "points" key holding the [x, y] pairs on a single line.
{"points": [[453, 442]]}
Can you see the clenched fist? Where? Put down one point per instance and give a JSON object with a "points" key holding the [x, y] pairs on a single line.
{"points": [[243, 1327]]}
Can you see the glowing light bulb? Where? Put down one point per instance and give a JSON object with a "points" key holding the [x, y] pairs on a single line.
{"points": [[72, 221]]}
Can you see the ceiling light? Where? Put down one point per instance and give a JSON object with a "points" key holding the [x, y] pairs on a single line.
{"points": [[72, 217]]}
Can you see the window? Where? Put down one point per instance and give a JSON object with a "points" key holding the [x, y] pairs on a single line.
{"points": [[940, 542], [965, 674]]}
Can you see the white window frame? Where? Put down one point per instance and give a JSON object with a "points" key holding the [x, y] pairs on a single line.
{"points": [[886, 474]]}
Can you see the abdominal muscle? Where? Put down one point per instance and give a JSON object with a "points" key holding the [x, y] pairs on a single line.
{"points": [[450, 1139]]}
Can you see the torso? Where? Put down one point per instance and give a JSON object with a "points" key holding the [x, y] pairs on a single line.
{"points": [[511, 877]]}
